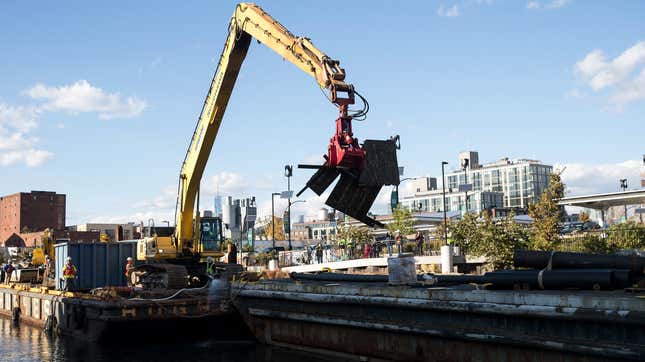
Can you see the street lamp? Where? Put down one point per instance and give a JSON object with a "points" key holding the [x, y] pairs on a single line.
{"points": [[464, 165], [289, 220], [273, 218], [167, 223], [445, 218], [623, 186], [288, 172]]}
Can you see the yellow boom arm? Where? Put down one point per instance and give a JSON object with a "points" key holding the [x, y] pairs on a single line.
{"points": [[248, 21]]}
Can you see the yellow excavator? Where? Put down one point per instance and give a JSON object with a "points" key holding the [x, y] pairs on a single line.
{"points": [[363, 169]]}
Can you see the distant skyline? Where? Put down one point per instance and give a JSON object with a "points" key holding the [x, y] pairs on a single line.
{"points": [[99, 101]]}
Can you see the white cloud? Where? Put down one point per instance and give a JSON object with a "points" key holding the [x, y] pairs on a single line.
{"points": [[450, 11], [31, 157], [623, 76], [16, 145], [81, 96], [227, 183], [583, 179], [23, 119], [548, 5]]}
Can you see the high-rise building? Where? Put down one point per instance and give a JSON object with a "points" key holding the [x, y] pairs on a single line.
{"points": [[218, 206], [521, 181], [502, 184], [31, 211]]}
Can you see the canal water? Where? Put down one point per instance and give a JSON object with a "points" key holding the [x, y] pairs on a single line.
{"points": [[24, 343]]}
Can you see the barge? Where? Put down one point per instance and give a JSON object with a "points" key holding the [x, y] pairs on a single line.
{"points": [[107, 313], [376, 321]]}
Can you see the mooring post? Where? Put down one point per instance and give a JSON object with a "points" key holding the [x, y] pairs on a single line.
{"points": [[15, 315]]}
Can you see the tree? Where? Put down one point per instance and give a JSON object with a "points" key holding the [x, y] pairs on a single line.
{"points": [[357, 234], [402, 221], [279, 229], [466, 232], [547, 214], [494, 239], [583, 217]]}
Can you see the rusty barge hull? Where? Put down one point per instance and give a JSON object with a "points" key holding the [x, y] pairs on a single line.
{"points": [[96, 320], [373, 322]]}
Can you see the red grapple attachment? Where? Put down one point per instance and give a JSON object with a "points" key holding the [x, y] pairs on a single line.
{"points": [[363, 170]]}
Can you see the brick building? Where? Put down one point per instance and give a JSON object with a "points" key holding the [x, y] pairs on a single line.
{"points": [[30, 212]]}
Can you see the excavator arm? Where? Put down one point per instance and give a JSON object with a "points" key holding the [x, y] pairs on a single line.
{"points": [[250, 21]]}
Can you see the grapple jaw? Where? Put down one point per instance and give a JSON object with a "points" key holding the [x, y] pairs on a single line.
{"points": [[360, 180]]}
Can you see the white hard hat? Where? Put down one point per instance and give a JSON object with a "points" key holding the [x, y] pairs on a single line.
{"points": [[69, 258], [129, 258], [209, 259]]}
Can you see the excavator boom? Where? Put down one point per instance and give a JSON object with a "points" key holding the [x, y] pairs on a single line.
{"points": [[344, 156]]}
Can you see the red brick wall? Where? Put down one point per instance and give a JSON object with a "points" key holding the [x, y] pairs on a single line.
{"points": [[41, 210], [9, 216], [36, 211]]}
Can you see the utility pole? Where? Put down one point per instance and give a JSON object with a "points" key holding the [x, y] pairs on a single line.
{"points": [[273, 218], [445, 218], [465, 167], [288, 172], [623, 186]]}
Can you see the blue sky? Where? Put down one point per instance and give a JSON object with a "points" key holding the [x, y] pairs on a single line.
{"points": [[99, 100]]}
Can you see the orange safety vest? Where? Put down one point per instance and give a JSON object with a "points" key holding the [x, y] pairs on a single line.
{"points": [[129, 268], [69, 271]]}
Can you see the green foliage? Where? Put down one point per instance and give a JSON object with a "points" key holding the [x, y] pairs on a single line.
{"points": [[402, 221], [494, 239], [627, 235], [356, 234], [466, 233], [409, 247], [583, 217], [263, 258], [595, 244], [247, 248], [547, 215]]}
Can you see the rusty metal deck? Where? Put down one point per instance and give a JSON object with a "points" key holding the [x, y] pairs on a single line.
{"points": [[376, 321]]}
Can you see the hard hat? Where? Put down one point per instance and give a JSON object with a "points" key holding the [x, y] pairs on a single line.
{"points": [[69, 258], [129, 258], [209, 259]]}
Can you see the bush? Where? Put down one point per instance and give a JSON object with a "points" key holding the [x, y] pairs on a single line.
{"points": [[263, 258], [409, 247], [628, 235]]}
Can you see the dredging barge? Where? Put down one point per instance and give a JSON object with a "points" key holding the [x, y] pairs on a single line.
{"points": [[108, 312]]}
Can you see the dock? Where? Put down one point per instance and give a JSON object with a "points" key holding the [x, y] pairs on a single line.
{"points": [[375, 321]]}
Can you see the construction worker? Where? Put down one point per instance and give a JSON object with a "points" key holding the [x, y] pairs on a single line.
{"points": [[210, 266], [129, 269], [8, 271], [47, 270], [350, 248], [419, 241], [69, 274], [319, 253]]}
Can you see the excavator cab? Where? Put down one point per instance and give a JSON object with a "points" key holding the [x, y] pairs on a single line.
{"points": [[210, 235]]}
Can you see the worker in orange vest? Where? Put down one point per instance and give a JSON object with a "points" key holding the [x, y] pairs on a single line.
{"points": [[69, 274], [129, 268]]}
